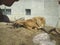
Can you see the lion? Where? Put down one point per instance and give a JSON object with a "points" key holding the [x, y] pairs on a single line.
{"points": [[34, 23]]}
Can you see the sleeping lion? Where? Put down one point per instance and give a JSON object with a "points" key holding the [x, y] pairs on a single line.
{"points": [[34, 23]]}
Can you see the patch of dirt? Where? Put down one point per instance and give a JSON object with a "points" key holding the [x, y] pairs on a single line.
{"points": [[19, 36]]}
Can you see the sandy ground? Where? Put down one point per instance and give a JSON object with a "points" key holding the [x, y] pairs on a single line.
{"points": [[20, 36]]}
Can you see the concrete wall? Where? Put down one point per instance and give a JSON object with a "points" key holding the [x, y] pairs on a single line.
{"points": [[51, 12], [59, 16], [45, 8]]}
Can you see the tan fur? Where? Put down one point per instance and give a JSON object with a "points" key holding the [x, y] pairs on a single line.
{"points": [[30, 24], [40, 21]]}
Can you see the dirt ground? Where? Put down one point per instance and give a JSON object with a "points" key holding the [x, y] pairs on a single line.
{"points": [[21, 36]]}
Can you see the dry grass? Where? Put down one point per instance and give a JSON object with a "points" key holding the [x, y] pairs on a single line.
{"points": [[20, 36]]}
